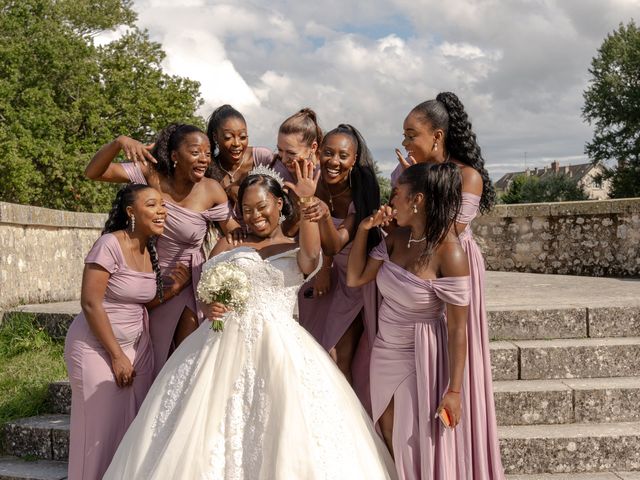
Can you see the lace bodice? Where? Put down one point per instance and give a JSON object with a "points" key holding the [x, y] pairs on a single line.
{"points": [[275, 281]]}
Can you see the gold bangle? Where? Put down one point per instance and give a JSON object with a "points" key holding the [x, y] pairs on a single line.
{"points": [[306, 199]]}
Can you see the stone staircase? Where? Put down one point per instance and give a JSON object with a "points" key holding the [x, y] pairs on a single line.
{"points": [[566, 387]]}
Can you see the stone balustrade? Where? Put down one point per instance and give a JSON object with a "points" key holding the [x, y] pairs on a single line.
{"points": [[42, 250], [595, 238]]}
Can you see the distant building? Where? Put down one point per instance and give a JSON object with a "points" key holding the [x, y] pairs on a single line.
{"points": [[584, 175]]}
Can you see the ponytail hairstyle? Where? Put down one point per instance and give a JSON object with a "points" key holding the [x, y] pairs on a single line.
{"points": [[272, 186], [365, 190], [118, 219], [216, 119], [170, 139], [446, 112], [305, 123], [441, 186]]}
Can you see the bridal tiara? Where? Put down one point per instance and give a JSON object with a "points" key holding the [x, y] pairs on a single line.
{"points": [[267, 172]]}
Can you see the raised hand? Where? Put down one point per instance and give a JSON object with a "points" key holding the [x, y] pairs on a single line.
{"points": [[135, 151], [380, 218], [405, 162], [315, 210], [307, 180]]}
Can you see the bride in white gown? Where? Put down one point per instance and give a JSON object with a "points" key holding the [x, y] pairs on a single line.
{"points": [[260, 400]]}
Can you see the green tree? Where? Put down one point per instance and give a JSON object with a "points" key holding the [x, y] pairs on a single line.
{"points": [[62, 96], [551, 188], [612, 104]]}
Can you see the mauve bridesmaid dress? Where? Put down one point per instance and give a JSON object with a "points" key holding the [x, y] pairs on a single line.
{"points": [[100, 410]]}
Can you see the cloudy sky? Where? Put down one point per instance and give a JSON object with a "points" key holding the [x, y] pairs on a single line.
{"points": [[519, 66]]}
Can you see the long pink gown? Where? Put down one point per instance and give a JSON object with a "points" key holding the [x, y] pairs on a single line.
{"points": [[100, 410], [328, 317], [478, 425], [181, 242], [409, 364]]}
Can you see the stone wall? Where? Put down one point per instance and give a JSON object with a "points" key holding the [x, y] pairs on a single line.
{"points": [[597, 238], [42, 253]]}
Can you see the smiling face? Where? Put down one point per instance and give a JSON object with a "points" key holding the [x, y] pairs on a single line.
{"points": [[261, 210], [149, 210], [291, 149], [420, 137], [232, 139], [337, 158], [192, 156], [402, 200]]}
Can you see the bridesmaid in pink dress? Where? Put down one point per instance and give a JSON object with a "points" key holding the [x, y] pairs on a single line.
{"points": [[341, 318], [438, 131], [233, 157], [419, 354], [175, 166], [108, 348]]}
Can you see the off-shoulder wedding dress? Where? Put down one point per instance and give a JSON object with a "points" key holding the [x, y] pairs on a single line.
{"points": [[260, 400]]}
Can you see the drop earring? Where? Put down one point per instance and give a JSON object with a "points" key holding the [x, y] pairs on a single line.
{"points": [[435, 146], [174, 164], [282, 218], [132, 223], [415, 208]]}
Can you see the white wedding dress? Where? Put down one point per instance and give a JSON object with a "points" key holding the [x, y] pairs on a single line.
{"points": [[261, 400]]}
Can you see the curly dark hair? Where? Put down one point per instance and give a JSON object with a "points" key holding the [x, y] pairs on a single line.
{"points": [[447, 113], [118, 219], [272, 186], [441, 185], [169, 139], [365, 190]]}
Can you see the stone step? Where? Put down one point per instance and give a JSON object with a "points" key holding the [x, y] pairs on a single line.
{"points": [[60, 397], [12, 468], [55, 318], [579, 476], [45, 437], [572, 448], [565, 358], [567, 322], [505, 323], [591, 400]]}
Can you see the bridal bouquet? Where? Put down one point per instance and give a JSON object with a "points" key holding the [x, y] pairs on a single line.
{"points": [[224, 283]]}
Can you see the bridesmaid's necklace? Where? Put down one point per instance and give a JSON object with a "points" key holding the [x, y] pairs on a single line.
{"points": [[331, 197], [132, 249], [412, 240], [233, 172]]}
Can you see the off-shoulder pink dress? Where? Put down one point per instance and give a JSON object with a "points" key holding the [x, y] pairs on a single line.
{"points": [[478, 424], [101, 411], [328, 317], [181, 242], [410, 365]]}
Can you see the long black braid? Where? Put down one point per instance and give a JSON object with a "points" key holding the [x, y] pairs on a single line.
{"points": [[118, 219], [364, 182], [169, 139], [447, 113]]}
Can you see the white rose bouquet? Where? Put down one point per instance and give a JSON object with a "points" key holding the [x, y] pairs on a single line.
{"points": [[224, 283]]}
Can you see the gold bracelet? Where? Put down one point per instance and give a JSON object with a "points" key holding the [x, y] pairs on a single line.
{"points": [[306, 199]]}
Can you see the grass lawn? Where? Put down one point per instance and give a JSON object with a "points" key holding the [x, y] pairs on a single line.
{"points": [[29, 360]]}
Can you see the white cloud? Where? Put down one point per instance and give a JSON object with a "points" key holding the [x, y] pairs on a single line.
{"points": [[519, 67]]}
